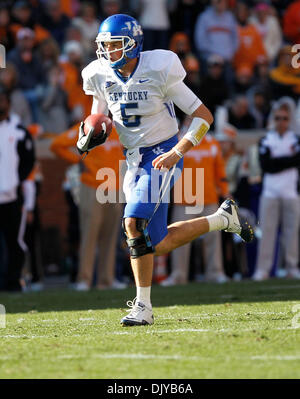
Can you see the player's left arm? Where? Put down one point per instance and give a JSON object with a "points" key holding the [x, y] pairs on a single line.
{"points": [[202, 119], [179, 93]]}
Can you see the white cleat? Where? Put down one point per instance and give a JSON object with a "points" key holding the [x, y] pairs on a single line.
{"points": [[236, 224], [140, 314], [81, 286], [260, 276]]}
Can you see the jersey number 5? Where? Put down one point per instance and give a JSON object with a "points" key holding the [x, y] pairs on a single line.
{"points": [[130, 120]]}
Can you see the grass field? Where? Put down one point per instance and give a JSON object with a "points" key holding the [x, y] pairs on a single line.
{"points": [[235, 330]]}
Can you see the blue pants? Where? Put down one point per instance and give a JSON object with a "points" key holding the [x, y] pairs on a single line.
{"points": [[147, 190]]}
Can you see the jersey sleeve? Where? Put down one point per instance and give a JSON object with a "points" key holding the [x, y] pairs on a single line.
{"points": [[176, 73], [177, 91], [92, 82], [91, 88], [88, 86], [184, 98]]}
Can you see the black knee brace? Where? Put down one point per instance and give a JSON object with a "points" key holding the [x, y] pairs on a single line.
{"points": [[141, 245]]}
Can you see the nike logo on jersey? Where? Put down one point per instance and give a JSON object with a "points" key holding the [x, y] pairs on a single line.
{"points": [[143, 80], [109, 84]]}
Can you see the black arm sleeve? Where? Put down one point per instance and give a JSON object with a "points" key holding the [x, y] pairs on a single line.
{"points": [[26, 154], [276, 164]]}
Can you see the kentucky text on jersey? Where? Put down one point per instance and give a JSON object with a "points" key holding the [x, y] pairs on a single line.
{"points": [[128, 96]]}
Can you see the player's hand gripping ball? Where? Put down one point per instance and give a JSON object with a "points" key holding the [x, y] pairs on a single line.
{"points": [[93, 132]]}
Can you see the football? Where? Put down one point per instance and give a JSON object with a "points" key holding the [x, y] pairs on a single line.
{"points": [[95, 121]]}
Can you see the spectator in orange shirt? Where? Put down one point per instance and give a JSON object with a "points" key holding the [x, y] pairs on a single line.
{"points": [[251, 45], [212, 186], [99, 222], [291, 22]]}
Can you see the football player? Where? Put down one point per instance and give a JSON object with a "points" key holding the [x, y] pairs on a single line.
{"points": [[139, 89]]}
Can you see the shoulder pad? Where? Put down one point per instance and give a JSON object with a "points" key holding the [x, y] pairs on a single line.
{"points": [[160, 60], [92, 69]]}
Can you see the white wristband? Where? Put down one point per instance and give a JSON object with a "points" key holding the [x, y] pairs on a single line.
{"points": [[177, 152], [197, 130]]}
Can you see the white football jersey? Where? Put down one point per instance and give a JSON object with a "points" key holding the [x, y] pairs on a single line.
{"points": [[142, 106]]}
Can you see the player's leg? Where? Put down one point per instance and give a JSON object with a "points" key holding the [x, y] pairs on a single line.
{"points": [[226, 218], [145, 216], [141, 252]]}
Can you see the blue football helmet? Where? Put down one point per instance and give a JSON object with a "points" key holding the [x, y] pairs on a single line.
{"points": [[120, 27]]}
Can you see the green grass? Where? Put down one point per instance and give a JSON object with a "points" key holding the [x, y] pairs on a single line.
{"points": [[235, 330]]}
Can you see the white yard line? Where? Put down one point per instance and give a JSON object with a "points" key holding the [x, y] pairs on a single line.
{"points": [[134, 331], [271, 357], [143, 356], [223, 315], [130, 356]]}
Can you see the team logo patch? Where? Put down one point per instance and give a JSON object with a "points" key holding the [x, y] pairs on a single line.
{"points": [[157, 150]]}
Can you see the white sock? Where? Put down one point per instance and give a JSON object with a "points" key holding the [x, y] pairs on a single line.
{"points": [[143, 295], [217, 222]]}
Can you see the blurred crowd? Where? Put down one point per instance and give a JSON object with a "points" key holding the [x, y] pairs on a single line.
{"points": [[238, 55]]}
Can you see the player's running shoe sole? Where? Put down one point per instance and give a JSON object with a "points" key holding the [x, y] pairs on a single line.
{"points": [[236, 223]]}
